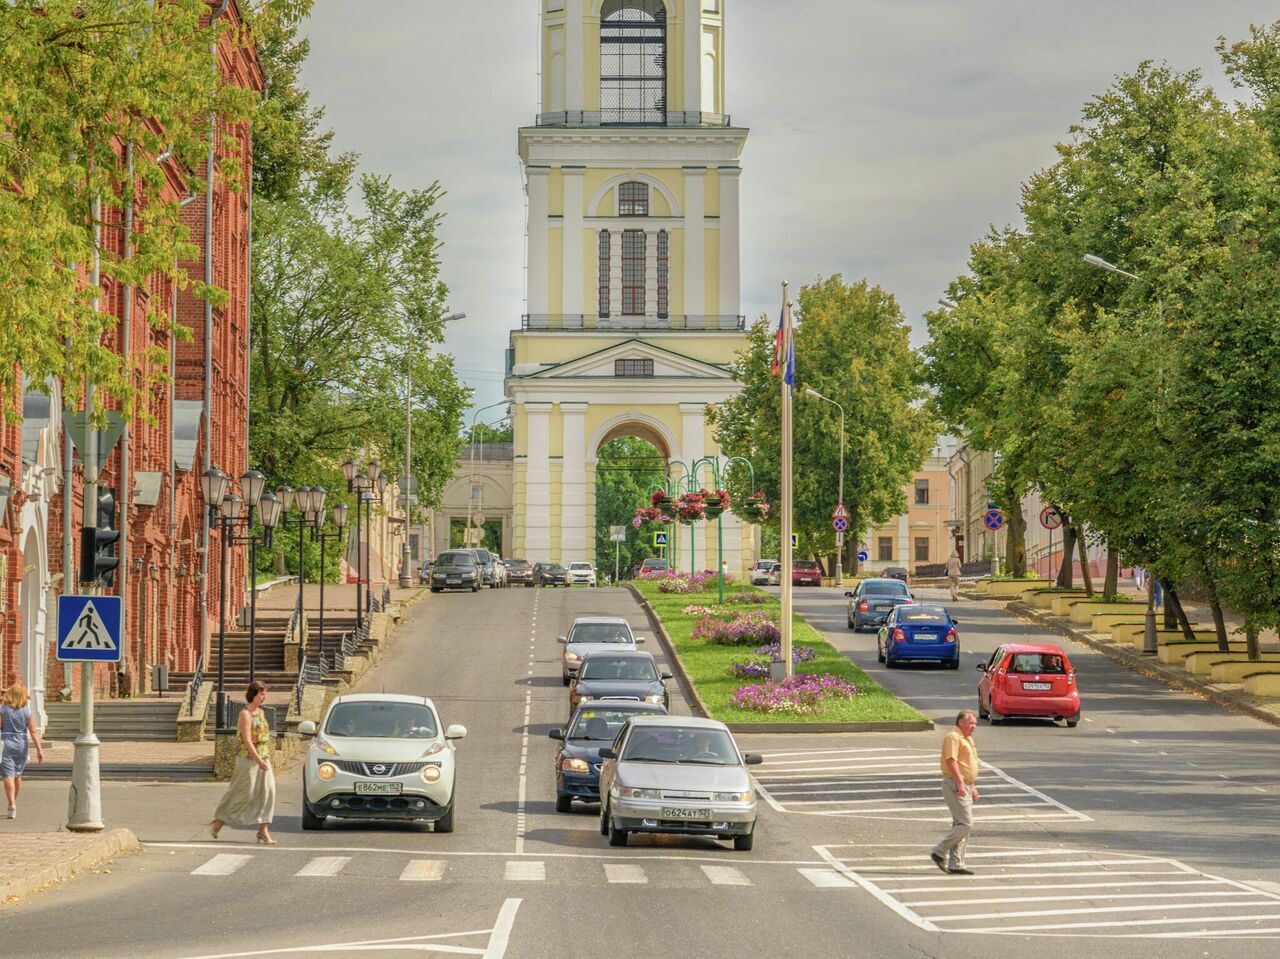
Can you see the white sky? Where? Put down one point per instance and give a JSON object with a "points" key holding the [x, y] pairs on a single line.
{"points": [[886, 134]]}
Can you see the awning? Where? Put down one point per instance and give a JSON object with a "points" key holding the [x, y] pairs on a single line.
{"points": [[186, 432]]}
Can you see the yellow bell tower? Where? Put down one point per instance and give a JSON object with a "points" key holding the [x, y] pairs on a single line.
{"points": [[633, 283]]}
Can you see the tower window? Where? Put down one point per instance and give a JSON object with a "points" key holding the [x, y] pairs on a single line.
{"points": [[604, 272], [633, 62], [664, 270], [633, 199], [633, 273], [633, 367]]}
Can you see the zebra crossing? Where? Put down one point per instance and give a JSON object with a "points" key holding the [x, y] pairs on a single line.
{"points": [[893, 783], [1059, 892]]}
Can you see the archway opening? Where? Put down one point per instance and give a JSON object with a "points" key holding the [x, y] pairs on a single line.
{"points": [[630, 460]]}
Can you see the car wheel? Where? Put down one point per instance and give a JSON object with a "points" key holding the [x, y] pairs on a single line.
{"points": [[953, 663], [851, 626], [617, 837], [879, 652], [890, 661], [994, 718], [476, 588], [445, 822], [564, 679], [604, 819], [1073, 720], [435, 589], [744, 843], [309, 819], [982, 713], [564, 803]]}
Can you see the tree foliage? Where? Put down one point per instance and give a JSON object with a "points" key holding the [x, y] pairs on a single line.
{"points": [[626, 467]]}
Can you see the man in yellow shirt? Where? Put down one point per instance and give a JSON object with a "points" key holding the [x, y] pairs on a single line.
{"points": [[959, 774]]}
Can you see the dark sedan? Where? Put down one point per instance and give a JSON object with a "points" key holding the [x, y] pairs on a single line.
{"points": [[630, 675], [549, 574], [595, 726], [456, 569], [871, 601], [520, 571]]}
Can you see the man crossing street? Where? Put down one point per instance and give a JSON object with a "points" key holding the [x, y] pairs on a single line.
{"points": [[959, 775]]}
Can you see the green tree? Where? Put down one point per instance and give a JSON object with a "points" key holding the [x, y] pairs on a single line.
{"points": [[626, 468]]}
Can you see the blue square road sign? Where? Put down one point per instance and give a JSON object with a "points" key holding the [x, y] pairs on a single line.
{"points": [[89, 629]]}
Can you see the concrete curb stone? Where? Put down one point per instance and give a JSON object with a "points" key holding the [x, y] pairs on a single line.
{"points": [[26, 867]]}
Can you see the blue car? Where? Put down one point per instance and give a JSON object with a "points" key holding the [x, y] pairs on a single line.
{"points": [[918, 631], [595, 725]]}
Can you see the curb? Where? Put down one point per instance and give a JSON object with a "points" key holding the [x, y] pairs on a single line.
{"points": [[1138, 663], [102, 849], [700, 708]]}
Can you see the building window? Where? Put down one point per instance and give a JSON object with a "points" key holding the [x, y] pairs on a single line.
{"points": [[633, 199], [633, 62], [633, 367], [922, 549], [633, 273], [664, 271], [922, 492], [604, 273], [884, 549]]}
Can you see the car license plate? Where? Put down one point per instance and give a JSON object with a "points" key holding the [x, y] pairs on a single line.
{"points": [[378, 789], [881, 609], [926, 637], [678, 813], [454, 580], [1040, 686]]}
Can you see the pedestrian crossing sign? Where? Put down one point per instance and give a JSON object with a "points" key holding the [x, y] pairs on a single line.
{"points": [[89, 629], [795, 540], [661, 539]]}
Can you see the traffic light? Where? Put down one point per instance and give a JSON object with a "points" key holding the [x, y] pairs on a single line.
{"points": [[97, 545]]}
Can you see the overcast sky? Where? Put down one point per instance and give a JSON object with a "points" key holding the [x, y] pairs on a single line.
{"points": [[886, 135]]}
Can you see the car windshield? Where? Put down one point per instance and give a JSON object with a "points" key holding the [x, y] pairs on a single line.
{"points": [[634, 670], [885, 589], [932, 615], [552, 568], [805, 564], [600, 633], [483, 556], [1037, 663], [382, 720], [579, 565], [601, 725], [680, 744], [517, 562], [456, 559]]}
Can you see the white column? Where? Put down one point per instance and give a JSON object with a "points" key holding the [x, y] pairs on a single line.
{"points": [[574, 85], [536, 281], [692, 55], [651, 273], [537, 534], [692, 449], [573, 484], [730, 259], [615, 273], [695, 271], [573, 253]]}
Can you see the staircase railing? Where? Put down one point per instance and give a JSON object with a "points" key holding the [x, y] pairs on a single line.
{"points": [[193, 692], [300, 686]]}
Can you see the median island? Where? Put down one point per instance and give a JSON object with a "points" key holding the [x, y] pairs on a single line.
{"points": [[724, 651]]}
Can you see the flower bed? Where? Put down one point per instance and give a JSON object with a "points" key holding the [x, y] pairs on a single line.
{"points": [[747, 598], [757, 666], [681, 583], [746, 629], [802, 693]]}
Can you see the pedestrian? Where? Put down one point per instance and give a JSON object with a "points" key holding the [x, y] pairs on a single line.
{"points": [[959, 775], [16, 724], [251, 795], [1139, 577], [953, 575], [1157, 593]]}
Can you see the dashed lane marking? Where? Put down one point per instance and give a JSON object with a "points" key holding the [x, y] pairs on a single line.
{"points": [[827, 879], [221, 865], [423, 870], [324, 866], [726, 876], [617, 872], [525, 870]]}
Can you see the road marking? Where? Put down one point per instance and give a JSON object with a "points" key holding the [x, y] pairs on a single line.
{"points": [[525, 871], [827, 879], [222, 865], [424, 870], [323, 866], [726, 876], [624, 873]]}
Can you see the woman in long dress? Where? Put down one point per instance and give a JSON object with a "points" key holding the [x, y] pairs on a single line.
{"points": [[15, 723], [251, 795]]}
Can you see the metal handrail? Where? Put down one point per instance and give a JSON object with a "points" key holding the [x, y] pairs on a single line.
{"points": [[300, 686], [633, 117], [726, 323], [197, 680], [386, 596]]}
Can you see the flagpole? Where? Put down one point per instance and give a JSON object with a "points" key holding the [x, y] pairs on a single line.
{"points": [[785, 520]]}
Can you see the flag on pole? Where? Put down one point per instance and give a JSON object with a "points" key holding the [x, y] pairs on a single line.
{"points": [[778, 356], [784, 351]]}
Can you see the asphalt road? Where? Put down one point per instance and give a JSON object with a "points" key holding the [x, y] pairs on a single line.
{"points": [[1152, 818]]}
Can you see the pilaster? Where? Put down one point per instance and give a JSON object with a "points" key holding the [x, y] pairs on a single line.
{"points": [[575, 56], [730, 256], [574, 284], [536, 179], [695, 234], [573, 484], [537, 537], [692, 55]]}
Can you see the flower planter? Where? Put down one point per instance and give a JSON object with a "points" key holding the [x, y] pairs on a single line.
{"points": [[1081, 611]]}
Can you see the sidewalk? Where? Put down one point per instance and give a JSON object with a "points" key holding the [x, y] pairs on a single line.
{"points": [[338, 597], [31, 862]]}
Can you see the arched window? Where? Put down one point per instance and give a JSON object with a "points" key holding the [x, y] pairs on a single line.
{"points": [[633, 199], [633, 62]]}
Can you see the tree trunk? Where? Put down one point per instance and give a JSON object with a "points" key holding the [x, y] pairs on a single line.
{"points": [[1015, 551], [1111, 584], [1215, 607], [1066, 571], [1085, 573], [1174, 605], [277, 564], [1252, 650]]}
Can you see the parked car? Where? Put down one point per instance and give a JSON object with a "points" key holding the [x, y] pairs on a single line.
{"points": [[872, 600], [677, 774], [549, 574], [918, 632], [594, 726], [424, 571], [650, 564], [488, 566], [759, 572], [806, 572], [1029, 679], [519, 571], [456, 569], [621, 674], [380, 756], [591, 633], [775, 576], [582, 573], [896, 572], [500, 571]]}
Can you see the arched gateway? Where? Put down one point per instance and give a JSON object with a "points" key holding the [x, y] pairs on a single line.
{"points": [[632, 178]]}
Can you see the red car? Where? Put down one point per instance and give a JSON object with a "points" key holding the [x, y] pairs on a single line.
{"points": [[806, 572], [1028, 679]]}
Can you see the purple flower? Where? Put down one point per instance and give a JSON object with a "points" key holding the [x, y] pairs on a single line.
{"points": [[802, 693]]}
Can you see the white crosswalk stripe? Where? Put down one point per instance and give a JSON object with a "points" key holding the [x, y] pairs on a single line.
{"points": [[624, 873], [1059, 892], [324, 866], [893, 783], [521, 870], [827, 878], [726, 876], [223, 864], [423, 870]]}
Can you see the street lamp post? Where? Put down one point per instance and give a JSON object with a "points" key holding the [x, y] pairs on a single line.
{"points": [[718, 474], [318, 532], [840, 499]]}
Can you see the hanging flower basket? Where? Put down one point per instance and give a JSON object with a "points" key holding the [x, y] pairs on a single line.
{"points": [[649, 514], [658, 499], [755, 509], [690, 507], [717, 502]]}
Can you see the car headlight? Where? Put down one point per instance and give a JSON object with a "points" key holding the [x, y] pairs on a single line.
{"points": [[325, 747], [572, 658], [433, 749], [583, 698], [569, 765], [431, 774], [733, 797], [326, 771], [632, 792], [655, 698]]}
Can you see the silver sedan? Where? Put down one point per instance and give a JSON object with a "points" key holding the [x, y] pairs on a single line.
{"points": [[677, 774]]}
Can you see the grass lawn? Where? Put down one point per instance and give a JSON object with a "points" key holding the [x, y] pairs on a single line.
{"points": [[706, 663]]}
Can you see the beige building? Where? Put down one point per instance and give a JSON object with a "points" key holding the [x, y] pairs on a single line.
{"points": [[482, 489], [920, 535]]}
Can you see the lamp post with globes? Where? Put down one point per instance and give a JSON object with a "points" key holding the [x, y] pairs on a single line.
{"points": [[318, 532], [309, 502], [229, 513], [363, 485]]}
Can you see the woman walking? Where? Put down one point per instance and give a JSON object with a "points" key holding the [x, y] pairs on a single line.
{"points": [[16, 723], [953, 576], [251, 796]]}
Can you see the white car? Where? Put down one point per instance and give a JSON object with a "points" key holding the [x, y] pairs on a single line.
{"points": [[591, 633], [760, 571], [582, 573], [380, 756]]}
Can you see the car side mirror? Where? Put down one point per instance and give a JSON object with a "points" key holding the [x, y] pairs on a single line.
{"points": [[849, 593], [306, 728], [911, 596], [752, 759], [608, 753], [954, 621], [640, 640], [982, 667], [562, 641], [557, 734], [456, 731], [665, 675]]}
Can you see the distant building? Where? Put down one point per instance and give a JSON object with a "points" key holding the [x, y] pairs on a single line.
{"points": [[919, 536]]}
